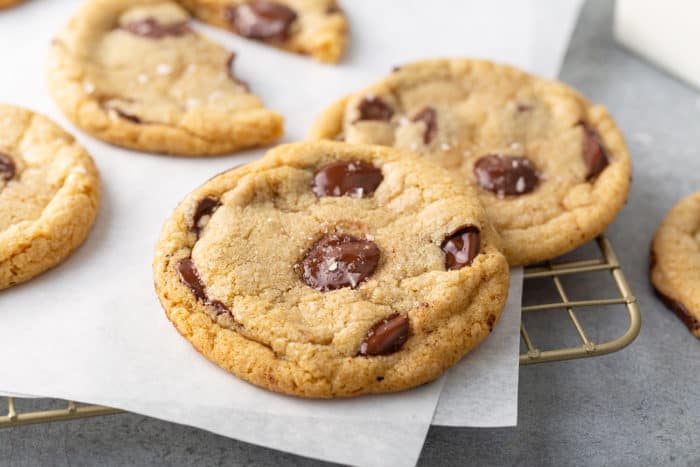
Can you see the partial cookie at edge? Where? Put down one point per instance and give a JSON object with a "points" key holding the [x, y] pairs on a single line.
{"points": [[49, 194], [675, 261]]}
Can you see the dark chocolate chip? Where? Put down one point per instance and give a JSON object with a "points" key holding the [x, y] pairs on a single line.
{"points": [[152, 29], [594, 155], [127, 116], [680, 310], [347, 178], [374, 108], [506, 175], [110, 107], [7, 167], [202, 213], [461, 247], [190, 277], [524, 107], [386, 337], [338, 260], [261, 20], [427, 115]]}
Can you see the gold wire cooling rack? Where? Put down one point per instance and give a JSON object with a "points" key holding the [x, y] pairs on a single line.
{"points": [[603, 261]]}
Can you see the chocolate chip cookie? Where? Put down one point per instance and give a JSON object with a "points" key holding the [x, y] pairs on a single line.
{"points": [[551, 169], [311, 27], [49, 194], [675, 261], [134, 73], [332, 270]]}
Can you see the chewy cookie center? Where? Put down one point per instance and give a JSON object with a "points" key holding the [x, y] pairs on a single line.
{"points": [[325, 251]]}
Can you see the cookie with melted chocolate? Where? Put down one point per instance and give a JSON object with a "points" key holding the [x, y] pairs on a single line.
{"points": [[49, 194], [551, 168], [332, 270], [136, 74]]}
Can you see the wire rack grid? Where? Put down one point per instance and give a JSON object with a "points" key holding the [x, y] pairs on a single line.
{"points": [[605, 260]]}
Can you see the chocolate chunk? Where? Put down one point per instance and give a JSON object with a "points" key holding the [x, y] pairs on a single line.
{"points": [[7, 167], [261, 20], [523, 107], [374, 108], [190, 277], [202, 213], [594, 155], [219, 307], [386, 337], [110, 107], [461, 247], [127, 116], [427, 115], [680, 310], [152, 29], [338, 260], [506, 175], [347, 178]]}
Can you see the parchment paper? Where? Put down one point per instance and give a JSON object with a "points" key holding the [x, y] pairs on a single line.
{"points": [[92, 330]]}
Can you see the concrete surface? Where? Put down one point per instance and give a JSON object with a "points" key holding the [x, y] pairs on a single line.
{"points": [[636, 407]]}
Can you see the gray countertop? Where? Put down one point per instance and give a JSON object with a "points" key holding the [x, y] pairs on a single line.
{"points": [[635, 407]]}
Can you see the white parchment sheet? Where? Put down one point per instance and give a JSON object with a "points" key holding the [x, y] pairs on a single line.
{"points": [[92, 329]]}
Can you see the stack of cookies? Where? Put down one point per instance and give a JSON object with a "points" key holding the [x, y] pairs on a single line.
{"points": [[368, 259]]}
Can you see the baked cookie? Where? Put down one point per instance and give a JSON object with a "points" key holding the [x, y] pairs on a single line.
{"points": [[8, 3], [133, 73], [675, 261], [551, 170], [332, 270], [49, 194], [310, 27]]}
